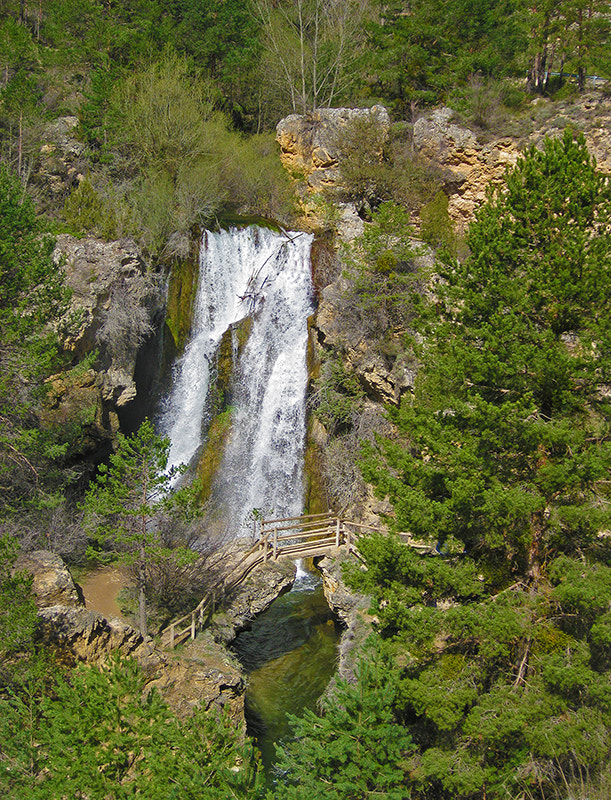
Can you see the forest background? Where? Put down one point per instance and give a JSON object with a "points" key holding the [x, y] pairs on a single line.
{"points": [[489, 676]]}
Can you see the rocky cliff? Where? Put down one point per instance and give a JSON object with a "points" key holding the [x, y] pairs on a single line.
{"points": [[116, 306], [377, 369]]}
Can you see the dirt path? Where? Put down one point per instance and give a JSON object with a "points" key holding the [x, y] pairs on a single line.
{"points": [[101, 588]]}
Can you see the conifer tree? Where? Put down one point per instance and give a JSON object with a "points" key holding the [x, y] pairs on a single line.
{"points": [[127, 500], [509, 444]]}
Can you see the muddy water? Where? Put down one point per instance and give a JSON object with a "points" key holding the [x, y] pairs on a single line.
{"points": [[290, 655], [101, 588]]}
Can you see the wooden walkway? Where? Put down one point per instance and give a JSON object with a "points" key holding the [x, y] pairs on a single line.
{"points": [[292, 537]]}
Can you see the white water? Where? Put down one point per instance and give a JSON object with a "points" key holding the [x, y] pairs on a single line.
{"points": [[266, 275]]}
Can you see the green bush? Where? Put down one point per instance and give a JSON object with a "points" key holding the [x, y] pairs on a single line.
{"points": [[436, 226]]}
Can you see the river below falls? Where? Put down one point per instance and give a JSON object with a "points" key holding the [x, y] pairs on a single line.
{"points": [[290, 655]]}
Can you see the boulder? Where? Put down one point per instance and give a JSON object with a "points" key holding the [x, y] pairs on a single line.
{"points": [[52, 582]]}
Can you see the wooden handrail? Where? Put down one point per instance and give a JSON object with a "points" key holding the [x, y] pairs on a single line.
{"points": [[313, 534], [293, 519]]}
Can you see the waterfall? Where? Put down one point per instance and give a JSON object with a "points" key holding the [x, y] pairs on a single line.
{"points": [[257, 273]]}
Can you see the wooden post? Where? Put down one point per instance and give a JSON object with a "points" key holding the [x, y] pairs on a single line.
{"points": [[348, 537], [275, 543], [337, 532], [193, 624], [172, 637]]}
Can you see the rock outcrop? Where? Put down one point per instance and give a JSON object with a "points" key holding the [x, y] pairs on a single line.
{"points": [[311, 144], [115, 306], [468, 165], [203, 675], [470, 162], [351, 608], [312, 147], [52, 583], [60, 163]]}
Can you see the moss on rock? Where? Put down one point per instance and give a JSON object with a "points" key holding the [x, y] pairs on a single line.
{"points": [[181, 295]]}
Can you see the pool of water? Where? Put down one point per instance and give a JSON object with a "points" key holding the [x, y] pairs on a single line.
{"points": [[290, 655]]}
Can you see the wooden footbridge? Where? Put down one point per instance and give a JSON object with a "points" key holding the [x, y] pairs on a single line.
{"points": [[292, 537]]}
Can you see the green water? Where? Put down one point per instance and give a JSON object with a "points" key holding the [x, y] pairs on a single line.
{"points": [[290, 655]]}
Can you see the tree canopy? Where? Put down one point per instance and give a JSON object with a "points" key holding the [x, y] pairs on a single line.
{"points": [[504, 460], [507, 444]]}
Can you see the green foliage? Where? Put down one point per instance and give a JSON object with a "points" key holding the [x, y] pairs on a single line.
{"points": [[436, 226], [17, 612], [504, 648], [85, 212], [100, 733], [168, 136], [381, 265], [377, 167], [338, 395], [507, 440], [414, 58], [355, 750], [31, 296], [255, 181], [125, 505], [502, 693]]}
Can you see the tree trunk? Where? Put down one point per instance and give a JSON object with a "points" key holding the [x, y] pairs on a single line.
{"points": [[142, 590], [20, 145]]}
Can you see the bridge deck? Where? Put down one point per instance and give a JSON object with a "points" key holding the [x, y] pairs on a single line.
{"points": [[293, 537]]}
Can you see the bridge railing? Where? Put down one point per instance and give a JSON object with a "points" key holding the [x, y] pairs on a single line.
{"points": [[290, 537]]}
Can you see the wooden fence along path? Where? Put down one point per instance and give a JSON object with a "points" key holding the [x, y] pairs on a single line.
{"points": [[292, 537]]}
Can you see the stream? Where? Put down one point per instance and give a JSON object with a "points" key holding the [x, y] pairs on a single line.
{"points": [[290, 655], [290, 651]]}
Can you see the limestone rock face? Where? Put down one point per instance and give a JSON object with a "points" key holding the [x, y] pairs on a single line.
{"points": [[311, 151], [79, 634], [75, 398], [114, 306], [52, 582], [351, 608], [202, 676], [469, 165], [311, 143]]}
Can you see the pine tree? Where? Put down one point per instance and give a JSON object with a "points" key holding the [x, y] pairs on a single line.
{"points": [[503, 634], [508, 440], [127, 500]]}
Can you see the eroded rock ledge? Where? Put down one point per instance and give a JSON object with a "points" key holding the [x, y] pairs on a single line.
{"points": [[202, 674], [351, 608]]}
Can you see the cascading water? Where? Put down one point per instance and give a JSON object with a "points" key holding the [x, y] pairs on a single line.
{"points": [[258, 273], [290, 650]]}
